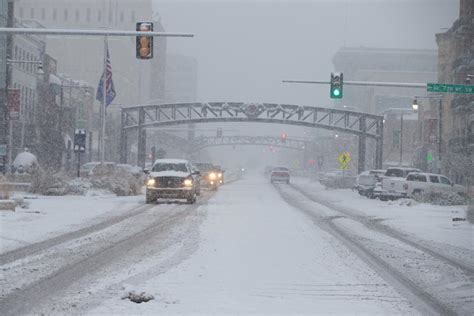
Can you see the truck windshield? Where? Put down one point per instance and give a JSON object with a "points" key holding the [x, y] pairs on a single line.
{"points": [[170, 167]]}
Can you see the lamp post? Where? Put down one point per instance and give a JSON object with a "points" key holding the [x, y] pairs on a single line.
{"points": [[415, 107]]}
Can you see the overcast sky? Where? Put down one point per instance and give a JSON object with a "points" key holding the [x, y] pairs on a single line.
{"points": [[245, 48]]}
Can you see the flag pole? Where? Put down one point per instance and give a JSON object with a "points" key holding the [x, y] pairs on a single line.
{"points": [[104, 99]]}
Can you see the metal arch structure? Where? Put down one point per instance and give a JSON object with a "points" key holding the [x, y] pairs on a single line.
{"points": [[361, 124], [290, 143]]}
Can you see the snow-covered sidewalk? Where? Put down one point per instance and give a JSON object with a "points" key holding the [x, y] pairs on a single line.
{"points": [[259, 255], [48, 216], [421, 220]]}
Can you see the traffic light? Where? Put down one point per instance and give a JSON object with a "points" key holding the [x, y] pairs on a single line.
{"points": [[337, 80], [283, 137], [144, 44], [80, 141]]}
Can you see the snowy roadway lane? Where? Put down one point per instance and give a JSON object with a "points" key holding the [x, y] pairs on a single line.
{"points": [[257, 254]]}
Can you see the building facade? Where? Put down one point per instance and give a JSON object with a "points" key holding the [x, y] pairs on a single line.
{"points": [[456, 66]]}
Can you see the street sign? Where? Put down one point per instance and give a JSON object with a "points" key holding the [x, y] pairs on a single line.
{"points": [[3, 150], [450, 88], [80, 141], [344, 167], [344, 158]]}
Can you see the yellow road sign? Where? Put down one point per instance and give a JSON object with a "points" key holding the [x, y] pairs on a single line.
{"points": [[344, 158]]}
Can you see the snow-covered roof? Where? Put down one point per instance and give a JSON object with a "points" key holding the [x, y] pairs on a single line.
{"points": [[170, 161]]}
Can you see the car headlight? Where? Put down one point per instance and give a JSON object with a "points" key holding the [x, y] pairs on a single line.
{"points": [[188, 182], [219, 175], [212, 176], [150, 182]]}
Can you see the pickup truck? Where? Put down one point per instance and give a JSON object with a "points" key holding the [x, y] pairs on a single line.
{"points": [[418, 182], [393, 183]]}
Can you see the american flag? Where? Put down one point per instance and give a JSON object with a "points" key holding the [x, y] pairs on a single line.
{"points": [[110, 90]]}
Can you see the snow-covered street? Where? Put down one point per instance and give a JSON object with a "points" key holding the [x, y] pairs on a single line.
{"points": [[252, 247]]}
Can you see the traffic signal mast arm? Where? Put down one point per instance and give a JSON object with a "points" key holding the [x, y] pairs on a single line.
{"points": [[364, 83], [9, 30]]}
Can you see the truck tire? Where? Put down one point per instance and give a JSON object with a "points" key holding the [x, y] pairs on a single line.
{"points": [[192, 199]]}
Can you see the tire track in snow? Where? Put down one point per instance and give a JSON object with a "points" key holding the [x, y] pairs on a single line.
{"points": [[24, 300], [32, 249], [425, 301], [375, 224]]}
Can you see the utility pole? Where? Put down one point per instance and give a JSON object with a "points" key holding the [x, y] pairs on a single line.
{"points": [[9, 53]]}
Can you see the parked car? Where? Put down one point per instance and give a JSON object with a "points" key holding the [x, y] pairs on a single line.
{"points": [[392, 185], [171, 179], [417, 183], [280, 174], [366, 182]]}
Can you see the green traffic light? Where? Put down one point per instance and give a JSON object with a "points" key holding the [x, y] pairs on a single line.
{"points": [[336, 92]]}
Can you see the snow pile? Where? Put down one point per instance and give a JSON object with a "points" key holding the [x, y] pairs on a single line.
{"points": [[444, 198], [338, 182], [121, 184]]}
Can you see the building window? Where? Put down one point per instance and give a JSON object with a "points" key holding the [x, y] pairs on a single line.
{"points": [[32, 13], [121, 16], [65, 14], [88, 14], [43, 14], [76, 17], [16, 52], [21, 13], [55, 14], [110, 17], [133, 17], [99, 16]]}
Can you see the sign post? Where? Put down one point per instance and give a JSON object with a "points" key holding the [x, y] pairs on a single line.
{"points": [[79, 147]]}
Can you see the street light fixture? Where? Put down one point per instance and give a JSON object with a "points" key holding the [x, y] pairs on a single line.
{"points": [[414, 105]]}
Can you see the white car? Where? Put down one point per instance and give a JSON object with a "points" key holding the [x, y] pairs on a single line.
{"points": [[418, 182], [393, 183]]}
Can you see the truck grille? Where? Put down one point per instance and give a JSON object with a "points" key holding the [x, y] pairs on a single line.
{"points": [[169, 182]]}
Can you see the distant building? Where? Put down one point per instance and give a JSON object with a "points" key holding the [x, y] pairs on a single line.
{"points": [[95, 14]]}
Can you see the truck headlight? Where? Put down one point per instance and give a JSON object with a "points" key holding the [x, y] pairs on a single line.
{"points": [[212, 176], [188, 182], [219, 175], [150, 182]]}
